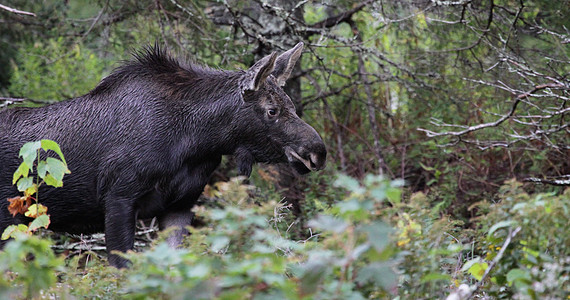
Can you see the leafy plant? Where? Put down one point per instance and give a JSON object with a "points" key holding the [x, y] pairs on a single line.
{"points": [[27, 262], [49, 171]]}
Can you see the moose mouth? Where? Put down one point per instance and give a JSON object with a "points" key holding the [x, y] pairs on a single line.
{"points": [[301, 165]]}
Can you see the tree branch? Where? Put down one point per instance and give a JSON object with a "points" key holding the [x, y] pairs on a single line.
{"points": [[496, 123], [17, 11]]}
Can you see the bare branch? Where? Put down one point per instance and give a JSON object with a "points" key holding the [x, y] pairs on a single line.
{"points": [[342, 17], [510, 236], [560, 181], [469, 129], [17, 11], [7, 101]]}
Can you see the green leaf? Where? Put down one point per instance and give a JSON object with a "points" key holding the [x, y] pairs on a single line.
{"points": [[29, 152], [499, 225], [348, 205], [328, 223], [470, 263], [49, 180], [42, 221], [394, 195], [349, 184], [12, 229], [219, 242], [377, 234], [478, 269], [379, 273], [53, 146], [427, 168], [199, 271], [56, 168], [24, 183], [435, 277], [313, 274], [31, 190], [42, 168], [518, 275], [22, 171]]}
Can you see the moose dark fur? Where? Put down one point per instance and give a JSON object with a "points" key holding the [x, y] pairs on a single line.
{"points": [[144, 142]]}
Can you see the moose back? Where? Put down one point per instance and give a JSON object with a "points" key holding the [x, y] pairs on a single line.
{"points": [[144, 142]]}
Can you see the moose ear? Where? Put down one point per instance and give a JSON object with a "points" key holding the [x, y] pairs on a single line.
{"points": [[285, 63], [256, 75]]}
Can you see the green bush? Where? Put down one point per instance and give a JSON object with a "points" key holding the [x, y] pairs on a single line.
{"points": [[52, 70], [536, 262], [370, 245], [240, 255]]}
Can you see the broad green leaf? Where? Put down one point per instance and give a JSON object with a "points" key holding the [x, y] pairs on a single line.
{"points": [[56, 168], [53, 146], [516, 275], [313, 274], [42, 221], [379, 273], [22, 171], [349, 183], [25, 183], [49, 180], [42, 168], [377, 234], [394, 195], [199, 271], [29, 152], [219, 242], [478, 269], [10, 230], [379, 193], [396, 183], [328, 223], [348, 206], [470, 263]]}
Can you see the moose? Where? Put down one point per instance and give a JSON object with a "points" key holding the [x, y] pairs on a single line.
{"points": [[145, 141]]}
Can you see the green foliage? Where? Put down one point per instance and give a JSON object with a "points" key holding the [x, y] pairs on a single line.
{"points": [[28, 267], [53, 70], [49, 170], [425, 65], [245, 257], [536, 263]]}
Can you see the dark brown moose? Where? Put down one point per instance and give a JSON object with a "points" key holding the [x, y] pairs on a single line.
{"points": [[145, 141]]}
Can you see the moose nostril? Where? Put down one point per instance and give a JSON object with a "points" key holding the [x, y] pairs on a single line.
{"points": [[315, 162]]}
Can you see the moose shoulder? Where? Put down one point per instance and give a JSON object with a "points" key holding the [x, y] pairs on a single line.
{"points": [[145, 141]]}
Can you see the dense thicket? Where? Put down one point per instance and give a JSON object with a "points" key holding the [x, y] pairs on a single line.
{"points": [[454, 97]]}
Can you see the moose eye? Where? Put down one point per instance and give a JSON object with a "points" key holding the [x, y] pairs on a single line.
{"points": [[272, 112]]}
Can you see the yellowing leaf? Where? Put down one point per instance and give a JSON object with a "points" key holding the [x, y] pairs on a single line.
{"points": [[36, 210], [42, 221], [478, 269]]}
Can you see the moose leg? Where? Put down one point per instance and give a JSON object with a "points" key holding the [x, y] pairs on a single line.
{"points": [[179, 220], [120, 224]]}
